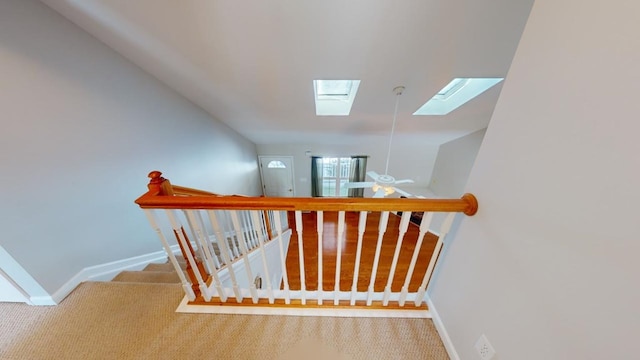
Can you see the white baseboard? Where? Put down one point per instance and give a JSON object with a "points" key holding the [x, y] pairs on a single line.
{"points": [[103, 272], [35, 294], [42, 301], [444, 335]]}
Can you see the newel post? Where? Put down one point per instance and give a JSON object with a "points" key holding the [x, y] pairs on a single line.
{"points": [[159, 185]]}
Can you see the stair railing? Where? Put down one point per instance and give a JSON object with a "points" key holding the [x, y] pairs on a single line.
{"points": [[232, 239]]}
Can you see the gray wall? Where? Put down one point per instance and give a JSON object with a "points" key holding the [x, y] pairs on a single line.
{"points": [[453, 164], [81, 128], [548, 267]]}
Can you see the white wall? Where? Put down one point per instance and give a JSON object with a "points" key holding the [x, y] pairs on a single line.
{"points": [[453, 164], [548, 267], [410, 158], [81, 128]]}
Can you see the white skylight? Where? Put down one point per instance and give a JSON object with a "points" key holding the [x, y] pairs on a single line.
{"points": [[334, 97], [456, 94]]}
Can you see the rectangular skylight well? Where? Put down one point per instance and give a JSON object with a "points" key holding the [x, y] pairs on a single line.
{"points": [[451, 88], [333, 89], [334, 97], [455, 94]]}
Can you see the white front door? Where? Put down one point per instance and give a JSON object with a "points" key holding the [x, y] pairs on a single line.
{"points": [[277, 175]]}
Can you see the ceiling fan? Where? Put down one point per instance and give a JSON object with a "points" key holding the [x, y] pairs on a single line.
{"points": [[383, 185]]}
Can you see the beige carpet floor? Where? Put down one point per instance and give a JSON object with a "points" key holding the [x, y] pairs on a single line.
{"points": [[137, 321]]}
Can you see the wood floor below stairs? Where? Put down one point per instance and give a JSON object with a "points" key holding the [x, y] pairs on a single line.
{"points": [[348, 257]]}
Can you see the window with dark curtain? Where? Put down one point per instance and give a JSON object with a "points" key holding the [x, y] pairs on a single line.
{"points": [[329, 175], [357, 173], [316, 176]]}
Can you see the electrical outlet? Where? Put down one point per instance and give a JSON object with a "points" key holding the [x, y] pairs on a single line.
{"points": [[484, 348]]}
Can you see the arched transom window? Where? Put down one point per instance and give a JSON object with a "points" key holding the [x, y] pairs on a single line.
{"points": [[276, 164]]}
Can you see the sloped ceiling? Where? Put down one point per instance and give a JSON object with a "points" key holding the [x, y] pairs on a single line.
{"points": [[250, 63]]}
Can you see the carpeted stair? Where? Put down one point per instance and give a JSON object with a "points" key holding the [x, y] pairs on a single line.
{"points": [[164, 273], [154, 273], [132, 321]]}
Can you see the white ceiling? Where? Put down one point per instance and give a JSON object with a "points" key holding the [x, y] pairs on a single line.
{"points": [[250, 63]]}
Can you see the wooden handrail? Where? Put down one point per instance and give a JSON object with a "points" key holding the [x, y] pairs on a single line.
{"points": [[185, 191], [160, 195]]}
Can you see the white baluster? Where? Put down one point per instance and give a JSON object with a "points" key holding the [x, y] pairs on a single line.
{"points": [[362, 224], [255, 215], [382, 228], [283, 259], [272, 216], [255, 227], [224, 252], [194, 235], [186, 285], [245, 254], [424, 227], [197, 235], [320, 228], [177, 227], [444, 230], [207, 239], [303, 285], [244, 230], [230, 235], [227, 234], [261, 229], [247, 229], [266, 233], [339, 240], [404, 225], [195, 219], [236, 235]]}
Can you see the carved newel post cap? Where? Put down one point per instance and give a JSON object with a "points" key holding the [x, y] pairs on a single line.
{"points": [[156, 177]]}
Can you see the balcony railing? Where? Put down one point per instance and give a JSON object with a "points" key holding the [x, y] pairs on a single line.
{"points": [[239, 250]]}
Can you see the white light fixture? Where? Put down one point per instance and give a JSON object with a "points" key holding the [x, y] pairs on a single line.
{"points": [[455, 94], [334, 97]]}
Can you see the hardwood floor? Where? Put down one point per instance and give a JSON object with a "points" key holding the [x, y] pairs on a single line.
{"points": [[348, 257]]}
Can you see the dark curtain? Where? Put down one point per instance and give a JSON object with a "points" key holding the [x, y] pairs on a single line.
{"points": [[316, 176], [357, 173]]}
